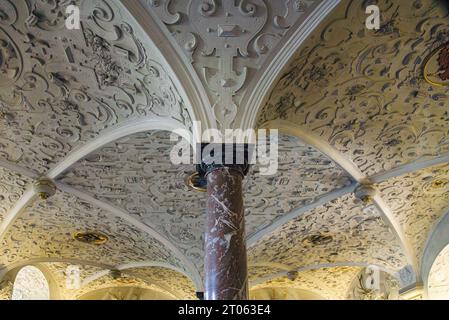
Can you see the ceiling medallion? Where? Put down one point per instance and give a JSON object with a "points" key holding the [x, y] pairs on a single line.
{"points": [[197, 183], [292, 275], [45, 188], [318, 239], [94, 237], [436, 67], [438, 184], [365, 193], [116, 274]]}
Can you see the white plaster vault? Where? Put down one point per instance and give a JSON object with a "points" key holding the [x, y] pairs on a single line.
{"points": [[92, 110]]}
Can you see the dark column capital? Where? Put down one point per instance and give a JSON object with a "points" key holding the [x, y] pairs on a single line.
{"points": [[200, 295], [211, 156]]}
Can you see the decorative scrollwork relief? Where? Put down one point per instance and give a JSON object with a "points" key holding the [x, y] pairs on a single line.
{"points": [[304, 174], [6, 287], [135, 174], [60, 88], [364, 91], [30, 284], [374, 285], [418, 200], [46, 230], [228, 41], [12, 186], [124, 281], [154, 277], [354, 232], [330, 283]]}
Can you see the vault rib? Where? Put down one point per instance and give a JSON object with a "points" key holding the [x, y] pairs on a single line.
{"points": [[194, 274], [311, 139], [34, 261], [110, 135], [319, 266], [158, 285]]}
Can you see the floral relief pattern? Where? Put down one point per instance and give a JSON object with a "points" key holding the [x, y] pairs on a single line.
{"points": [[135, 174], [46, 229], [151, 277], [124, 281], [330, 283], [87, 80], [343, 230], [12, 186], [228, 42], [418, 200], [363, 90]]}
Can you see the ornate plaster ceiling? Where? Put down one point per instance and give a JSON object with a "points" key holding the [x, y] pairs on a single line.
{"points": [[230, 44], [46, 229], [12, 187], [418, 200], [134, 175], [363, 91], [343, 230], [164, 280], [87, 108], [362, 97], [282, 293], [330, 283], [87, 80], [125, 292]]}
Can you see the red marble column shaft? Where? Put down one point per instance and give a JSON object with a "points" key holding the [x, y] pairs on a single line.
{"points": [[225, 262]]}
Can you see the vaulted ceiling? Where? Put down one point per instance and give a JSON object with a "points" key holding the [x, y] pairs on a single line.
{"points": [[91, 109]]}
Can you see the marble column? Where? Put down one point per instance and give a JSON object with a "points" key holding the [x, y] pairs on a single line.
{"points": [[225, 262]]}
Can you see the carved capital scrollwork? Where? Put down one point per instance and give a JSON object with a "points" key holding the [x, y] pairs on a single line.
{"points": [[87, 79], [208, 8], [227, 40], [247, 8]]}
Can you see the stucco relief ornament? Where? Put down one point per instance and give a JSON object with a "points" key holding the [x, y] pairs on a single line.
{"points": [[6, 288], [226, 31], [228, 41], [369, 286], [436, 67], [45, 188], [10, 60]]}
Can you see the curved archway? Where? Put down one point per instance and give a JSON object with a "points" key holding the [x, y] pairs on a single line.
{"points": [[124, 293], [30, 284], [437, 245], [438, 281], [279, 293]]}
